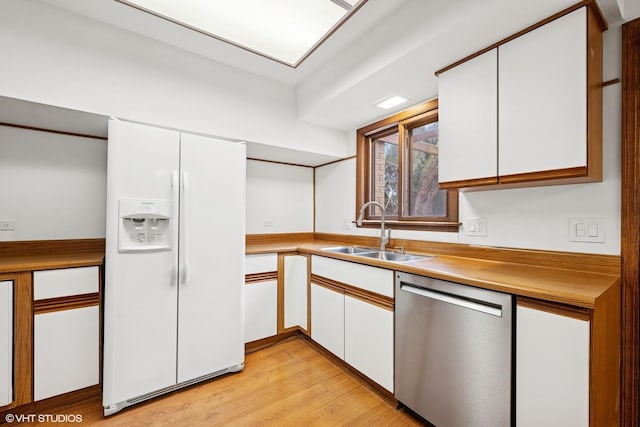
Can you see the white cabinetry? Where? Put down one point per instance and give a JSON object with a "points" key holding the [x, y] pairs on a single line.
{"points": [[66, 338], [261, 298], [528, 110], [467, 115], [352, 315], [543, 98], [6, 342], [66, 351], [327, 318], [368, 340], [552, 369], [295, 291]]}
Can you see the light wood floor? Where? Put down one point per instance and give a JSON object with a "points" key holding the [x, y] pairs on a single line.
{"points": [[288, 384]]}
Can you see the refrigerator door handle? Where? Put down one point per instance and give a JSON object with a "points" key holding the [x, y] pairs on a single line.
{"points": [[184, 232], [175, 188]]}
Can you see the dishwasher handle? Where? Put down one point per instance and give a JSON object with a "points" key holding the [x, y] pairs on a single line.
{"points": [[452, 299]]}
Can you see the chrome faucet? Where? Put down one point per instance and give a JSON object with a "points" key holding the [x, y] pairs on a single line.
{"points": [[384, 236]]}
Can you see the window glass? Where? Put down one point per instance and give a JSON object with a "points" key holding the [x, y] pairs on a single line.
{"points": [[384, 174]]}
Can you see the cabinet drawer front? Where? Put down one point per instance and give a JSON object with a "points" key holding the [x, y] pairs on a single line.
{"points": [[261, 263], [65, 282], [66, 351], [369, 278]]}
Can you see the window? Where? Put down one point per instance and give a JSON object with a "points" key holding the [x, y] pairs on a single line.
{"points": [[397, 166]]}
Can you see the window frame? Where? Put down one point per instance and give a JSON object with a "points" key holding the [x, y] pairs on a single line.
{"points": [[402, 122]]}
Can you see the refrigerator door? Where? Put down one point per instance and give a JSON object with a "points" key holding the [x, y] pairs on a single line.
{"points": [[210, 317], [140, 313]]}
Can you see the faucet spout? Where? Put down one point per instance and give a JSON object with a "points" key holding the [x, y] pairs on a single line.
{"points": [[384, 237]]}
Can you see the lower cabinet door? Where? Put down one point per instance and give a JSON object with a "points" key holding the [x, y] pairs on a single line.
{"points": [[368, 340], [261, 310], [327, 319], [552, 369], [6, 343], [66, 351]]}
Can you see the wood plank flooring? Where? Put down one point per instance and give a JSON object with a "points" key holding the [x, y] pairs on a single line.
{"points": [[288, 384]]}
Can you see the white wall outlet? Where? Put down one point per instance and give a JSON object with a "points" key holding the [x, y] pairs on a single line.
{"points": [[347, 223], [476, 226], [6, 225], [268, 223], [586, 230]]}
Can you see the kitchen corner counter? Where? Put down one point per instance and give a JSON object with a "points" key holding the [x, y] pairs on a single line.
{"points": [[44, 255], [548, 280]]}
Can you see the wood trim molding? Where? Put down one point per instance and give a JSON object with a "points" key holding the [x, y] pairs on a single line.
{"points": [[334, 161], [579, 174], [610, 82], [45, 247], [592, 5], [256, 345], [630, 223], [260, 277], [59, 132], [493, 180], [23, 340], [573, 312], [593, 263], [65, 303], [280, 163], [381, 301], [259, 239]]}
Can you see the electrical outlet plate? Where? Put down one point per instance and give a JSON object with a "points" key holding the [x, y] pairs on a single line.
{"points": [[6, 225], [476, 226], [586, 230]]}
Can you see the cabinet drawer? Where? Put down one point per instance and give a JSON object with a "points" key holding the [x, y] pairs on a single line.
{"points": [[261, 263], [65, 282], [369, 278]]}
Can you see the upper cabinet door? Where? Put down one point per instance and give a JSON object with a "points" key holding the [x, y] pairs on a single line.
{"points": [[467, 112], [542, 98]]}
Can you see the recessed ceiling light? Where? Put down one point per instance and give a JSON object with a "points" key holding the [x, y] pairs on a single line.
{"points": [[287, 31], [391, 102]]}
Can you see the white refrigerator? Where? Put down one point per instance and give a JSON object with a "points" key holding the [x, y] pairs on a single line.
{"points": [[174, 267]]}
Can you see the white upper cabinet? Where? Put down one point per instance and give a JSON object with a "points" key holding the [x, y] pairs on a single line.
{"points": [[467, 115], [528, 111], [542, 96]]}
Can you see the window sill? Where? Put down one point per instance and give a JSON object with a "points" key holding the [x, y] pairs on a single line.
{"points": [[450, 227]]}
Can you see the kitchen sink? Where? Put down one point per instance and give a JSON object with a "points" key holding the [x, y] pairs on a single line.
{"points": [[351, 250], [377, 254], [394, 256]]}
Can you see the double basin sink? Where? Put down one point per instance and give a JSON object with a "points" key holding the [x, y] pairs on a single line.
{"points": [[377, 254]]}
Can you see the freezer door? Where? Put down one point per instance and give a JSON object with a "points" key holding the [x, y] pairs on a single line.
{"points": [[210, 316], [140, 291], [6, 343]]}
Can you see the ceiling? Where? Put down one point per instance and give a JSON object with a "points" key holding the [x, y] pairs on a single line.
{"points": [[388, 47]]}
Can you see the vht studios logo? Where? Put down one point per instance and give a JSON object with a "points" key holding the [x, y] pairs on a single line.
{"points": [[43, 418]]}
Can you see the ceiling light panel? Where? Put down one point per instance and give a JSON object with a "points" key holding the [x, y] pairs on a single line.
{"points": [[284, 30]]}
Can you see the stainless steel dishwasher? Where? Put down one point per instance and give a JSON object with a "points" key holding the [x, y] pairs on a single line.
{"points": [[453, 352]]}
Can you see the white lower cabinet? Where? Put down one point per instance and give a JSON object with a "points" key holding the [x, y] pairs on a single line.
{"points": [[368, 340], [356, 328], [6, 342], [261, 310], [552, 369], [66, 351], [295, 291], [327, 319]]}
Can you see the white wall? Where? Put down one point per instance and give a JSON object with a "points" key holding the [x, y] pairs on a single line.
{"points": [[54, 57], [279, 195], [533, 218], [53, 186]]}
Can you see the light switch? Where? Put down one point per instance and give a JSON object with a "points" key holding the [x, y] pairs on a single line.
{"points": [[586, 230], [476, 226]]}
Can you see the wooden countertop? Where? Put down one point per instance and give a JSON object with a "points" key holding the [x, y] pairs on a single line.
{"points": [[44, 255], [576, 287]]}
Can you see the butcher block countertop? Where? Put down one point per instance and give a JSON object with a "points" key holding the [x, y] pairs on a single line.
{"points": [[45, 255], [561, 277]]}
